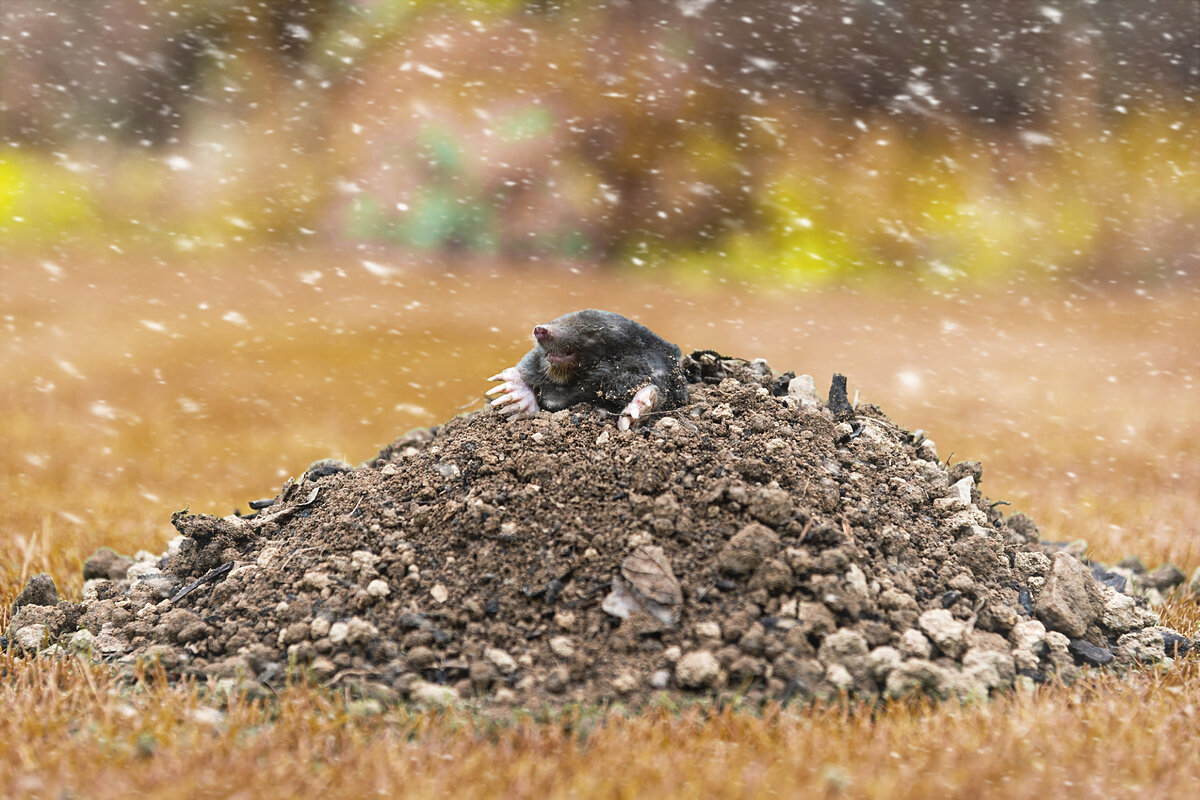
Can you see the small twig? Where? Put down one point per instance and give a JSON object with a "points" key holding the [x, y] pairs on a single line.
{"points": [[209, 577]]}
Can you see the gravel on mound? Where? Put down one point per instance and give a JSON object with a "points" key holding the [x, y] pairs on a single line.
{"points": [[751, 544]]}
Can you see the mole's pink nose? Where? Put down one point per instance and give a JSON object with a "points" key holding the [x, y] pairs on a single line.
{"points": [[542, 333]]}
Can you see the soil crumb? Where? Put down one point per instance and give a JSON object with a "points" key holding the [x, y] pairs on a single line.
{"points": [[751, 545]]}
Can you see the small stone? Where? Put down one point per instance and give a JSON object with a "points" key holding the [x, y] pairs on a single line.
{"points": [[296, 632], [989, 668], [963, 469], [626, 681], [1069, 601], [338, 631], [773, 575], [1025, 660], [421, 658], [881, 661], [1028, 635], [1115, 578], [434, 696], [803, 391], [698, 669], [379, 588], [1174, 644], [1058, 650], [557, 681], [660, 679], [105, 563], [771, 505], [914, 644], [81, 641], [31, 637], [482, 674], [439, 593], [948, 633], [708, 629], [839, 676], [142, 570], [846, 647], [1027, 564], [959, 495], [39, 591], [319, 628], [360, 632], [747, 549], [1123, 613], [1166, 577], [1090, 654], [1141, 647], [501, 660], [562, 647], [324, 467], [918, 675]]}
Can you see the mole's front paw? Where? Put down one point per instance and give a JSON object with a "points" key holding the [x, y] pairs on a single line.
{"points": [[645, 400], [516, 400]]}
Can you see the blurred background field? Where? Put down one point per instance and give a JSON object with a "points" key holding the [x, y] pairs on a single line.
{"points": [[849, 139], [239, 236]]}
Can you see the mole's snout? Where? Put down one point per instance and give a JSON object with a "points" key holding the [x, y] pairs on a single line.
{"points": [[542, 333]]}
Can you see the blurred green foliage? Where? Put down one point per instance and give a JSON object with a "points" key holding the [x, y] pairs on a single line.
{"points": [[634, 134]]}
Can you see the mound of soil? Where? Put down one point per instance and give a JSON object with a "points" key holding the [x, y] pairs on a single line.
{"points": [[754, 543]]}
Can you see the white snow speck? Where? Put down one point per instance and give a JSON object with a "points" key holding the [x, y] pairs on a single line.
{"points": [[54, 269], [424, 69], [693, 8], [150, 324], [298, 32], [311, 277], [178, 164], [1035, 139], [68, 367], [765, 64], [379, 270], [189, 406], [236, 318], [103, 410], [411, 408], [1051, 13], [909, 380]]}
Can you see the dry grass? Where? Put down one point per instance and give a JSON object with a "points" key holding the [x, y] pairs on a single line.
{"points": [[132, 390]]}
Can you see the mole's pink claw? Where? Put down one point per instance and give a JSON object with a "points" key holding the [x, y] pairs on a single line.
{"points": [[516, 400], [645, 400]]}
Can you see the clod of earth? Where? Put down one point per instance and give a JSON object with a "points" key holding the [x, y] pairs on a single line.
{"points": [[749, 544]]}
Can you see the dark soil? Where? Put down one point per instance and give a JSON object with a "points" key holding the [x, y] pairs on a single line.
{"points": [[749, 544]]}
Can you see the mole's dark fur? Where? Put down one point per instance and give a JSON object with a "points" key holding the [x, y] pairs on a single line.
{"points": [[602, 358]]}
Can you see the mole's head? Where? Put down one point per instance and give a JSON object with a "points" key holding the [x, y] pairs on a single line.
{"points": [[579, 340]]}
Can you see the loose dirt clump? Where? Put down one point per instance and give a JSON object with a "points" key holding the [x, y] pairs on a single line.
{"points": [[752, 544]]}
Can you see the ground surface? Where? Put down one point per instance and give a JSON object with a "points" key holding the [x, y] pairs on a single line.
{"points": [[135, 389]]}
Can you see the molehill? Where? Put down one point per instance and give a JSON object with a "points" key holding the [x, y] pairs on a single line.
{"points": [[753, 544]]}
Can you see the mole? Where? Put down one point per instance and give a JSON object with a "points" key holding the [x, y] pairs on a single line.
{"points": [[597, 357]]}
